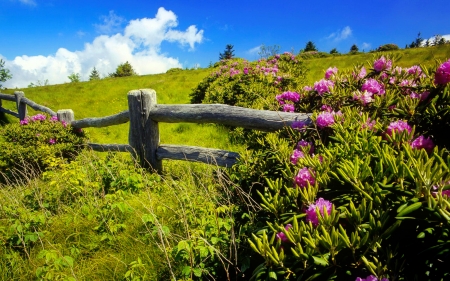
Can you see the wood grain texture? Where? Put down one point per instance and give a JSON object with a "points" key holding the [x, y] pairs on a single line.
{"points": [[38, 107], [98, 122]]}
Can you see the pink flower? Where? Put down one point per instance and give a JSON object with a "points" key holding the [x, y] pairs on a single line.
{"points": [[245, 70], [307, 88], [38, 117], [373, 86], [369, 124], [24, 122], [364, 98], [54, 118], [330, 72], [288, 108], [325, 119], [442, 75], [304, 176], [371, 278], [288, 96], [304, 143], [382, 64], [52, 141], [281, 236], [362, 73], [397, 127], [296, 155], [311, 214], [323, 86], [416, 71], [326, 108], [422, 142]]}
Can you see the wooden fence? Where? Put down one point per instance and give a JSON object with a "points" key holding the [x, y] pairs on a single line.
{"points": [[144, 114]]}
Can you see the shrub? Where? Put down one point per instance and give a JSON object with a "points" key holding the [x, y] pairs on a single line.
{"points": [[387, 47], [363, 190], [26, 146]]}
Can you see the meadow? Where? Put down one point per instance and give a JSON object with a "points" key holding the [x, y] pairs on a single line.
{"points": [[100, 216]]}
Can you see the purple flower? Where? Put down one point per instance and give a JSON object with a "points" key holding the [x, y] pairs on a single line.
{"points": [[288, 96], [362, 73], [373, 86], [298, 125], [52, 141], [304, 143], [281, 236], [422, 142], [370, 278], [323, 86], [307, 88], [369, 124], [330, 72], [288, 108], [245, 70], [24, 122], [416, 71], [442, 75], [382, 64], [304, 176], [311, 214], [325, 119], [296, 155], [326, 108], [54, 118], [364, 98], [397, 127]]}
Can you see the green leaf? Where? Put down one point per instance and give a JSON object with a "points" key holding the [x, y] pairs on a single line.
{"points": [[320, 261], [272, 275], [409, 209]]}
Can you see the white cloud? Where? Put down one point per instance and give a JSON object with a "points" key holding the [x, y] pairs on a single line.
{"points": [[365, 46], [139, 44], [28, 2], [340, 34], [111, 23], [432, 39], [254, 51]]}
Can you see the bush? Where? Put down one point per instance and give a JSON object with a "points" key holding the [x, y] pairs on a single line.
{"points": [[363, 190], [387, 47], [27, 146]]}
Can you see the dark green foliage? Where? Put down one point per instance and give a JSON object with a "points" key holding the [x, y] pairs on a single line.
{"points": [[174, 70], [228, 53], [74, 77], [354, 49], [310, 47], [123, 70], [417, 42], [334, 51], [95, 75], [387, 47]]}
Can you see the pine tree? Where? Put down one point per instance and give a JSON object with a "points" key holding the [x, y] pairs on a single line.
{"points": [[228, 53], [354, 49], [124, 69], [334, 51], [310, 47], [94, 75]]}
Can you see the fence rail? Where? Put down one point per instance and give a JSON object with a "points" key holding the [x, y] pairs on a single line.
{"points": [[144, 114]]}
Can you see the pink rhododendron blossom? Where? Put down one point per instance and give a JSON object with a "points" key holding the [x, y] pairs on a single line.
{"points": [[323, 86], [364, 98], [288, 96], [326, 108], [392, 80], [64, 123], [362, 73], [24, 122], [397, 127], [384, 76], [245, 70], [288, 108], [397, 70], [311, 214], [416, 71], [373, 86], [382, 64], [51, 141], [325, 119], [38, 117], [307, 88], [369, 124], [296, 155], [303, 177], [54, 118], [304, 143], [371, 278], [281, 236], [330, 72], [442, 75], [422, 142]]}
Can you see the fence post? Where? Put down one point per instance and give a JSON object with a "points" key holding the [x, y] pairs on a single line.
{"points": [[65, 115], [21, 107], [144, 133]]}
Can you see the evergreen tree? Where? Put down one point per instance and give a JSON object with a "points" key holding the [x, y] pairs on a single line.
{"points": [[228, 53], [310, 47], [94, 75], [5, 74], [74, 77], [354, 49], [334, 51], [124, 69], [416, 43]]}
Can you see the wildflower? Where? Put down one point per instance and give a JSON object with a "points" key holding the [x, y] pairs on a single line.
{"points": [[304, 176], [246, 70], [52, 141], [288, 96], [311, 214], [382, 64], [362, 73], [422, 142], [326, 108], [288, 108], [371, 278], [365, 97], [323, 86], [397, 127], [330, 72], [325, 119], [281, 236], [307, 88], [373, 86], [38, 117], [296, 155], [304, 143], [422, 96], [416, 71], [298, 125], [54, 118], [24, 122], [442, 75]]}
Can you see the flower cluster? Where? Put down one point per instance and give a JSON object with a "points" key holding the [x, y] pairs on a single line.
{"points": [[398, 127], [323, 86], [371, 278], [325, 119], [281, 236], [382, 64], [442, 76], [320, 205], [304, 177]]}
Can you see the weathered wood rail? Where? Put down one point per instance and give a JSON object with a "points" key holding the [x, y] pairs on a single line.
{"points": [[144, 114]]}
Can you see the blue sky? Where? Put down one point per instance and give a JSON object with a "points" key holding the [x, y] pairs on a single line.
{"points": [[50, 39]]}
